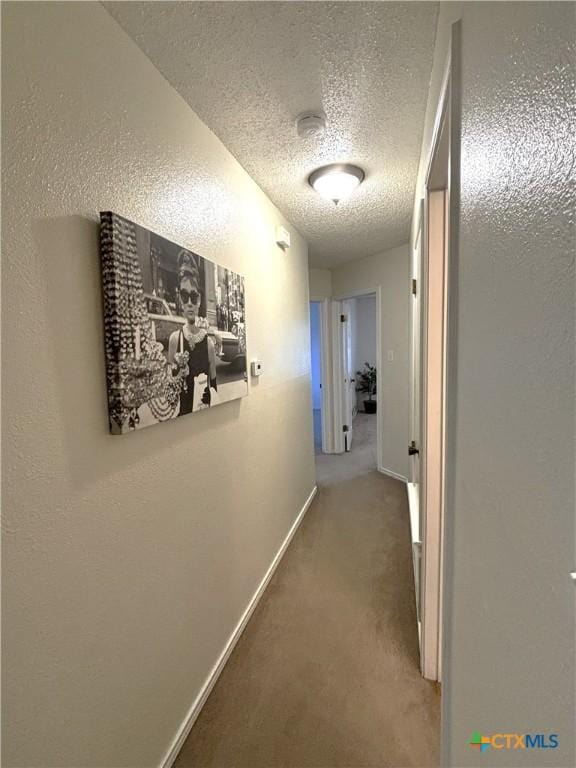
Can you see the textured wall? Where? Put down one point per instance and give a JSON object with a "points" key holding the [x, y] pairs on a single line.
{"points": [[391, 271], [127, 560], [510, 530]]}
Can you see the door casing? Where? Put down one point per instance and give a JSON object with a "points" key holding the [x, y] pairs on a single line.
{"points": [[437, 243], [326, 403]]}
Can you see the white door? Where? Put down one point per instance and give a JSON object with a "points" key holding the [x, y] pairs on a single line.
{"points": [[416, 331], [415, 361], [432, 508], [349, 384]]}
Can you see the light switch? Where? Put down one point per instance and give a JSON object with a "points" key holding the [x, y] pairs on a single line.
{"points": [[390, 355]]}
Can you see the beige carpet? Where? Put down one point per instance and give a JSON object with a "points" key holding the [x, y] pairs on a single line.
{"points": [[326, 673], [317, 422]]}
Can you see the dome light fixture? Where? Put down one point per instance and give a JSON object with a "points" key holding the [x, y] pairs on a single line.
{"points": [[337, 181]]}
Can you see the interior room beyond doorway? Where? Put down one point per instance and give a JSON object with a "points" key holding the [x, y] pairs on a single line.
{"points": [[364, 354]]}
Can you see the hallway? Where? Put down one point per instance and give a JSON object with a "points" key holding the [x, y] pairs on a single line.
{"points": [[234, 223], [326, 673]]}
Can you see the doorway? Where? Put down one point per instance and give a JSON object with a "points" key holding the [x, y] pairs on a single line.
{"points": [[316, 371], [359, 339], [356, 366]]}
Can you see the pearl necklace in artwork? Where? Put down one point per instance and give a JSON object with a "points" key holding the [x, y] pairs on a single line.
{"points": [[193, 334]]}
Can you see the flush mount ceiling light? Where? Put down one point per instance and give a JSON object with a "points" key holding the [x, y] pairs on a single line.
{"points": [[335, 182]]}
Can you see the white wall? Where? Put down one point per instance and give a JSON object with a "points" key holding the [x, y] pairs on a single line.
{"points": [[390, 271], [510, 626], [364, 339], [127, 560], [320, 284]]}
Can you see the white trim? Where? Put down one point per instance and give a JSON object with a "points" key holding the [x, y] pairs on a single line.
{"points": [[337, 378], [380, 370], [432, 465], [433, 485], [326, 422], [415, 323], [200, 700], [326, 397], [390, 473], [355, 294], [454, 194], [420, 215], [441, 108], [414, 509], [416, 409], [347, 337]]}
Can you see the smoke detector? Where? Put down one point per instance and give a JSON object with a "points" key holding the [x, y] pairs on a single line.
{"points": [[311, 125]]}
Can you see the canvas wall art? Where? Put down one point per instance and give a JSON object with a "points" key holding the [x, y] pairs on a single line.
{"points": [[174, 328]]}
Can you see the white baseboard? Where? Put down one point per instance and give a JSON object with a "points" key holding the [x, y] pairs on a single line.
{"points": [[392, 474], [210, 681]]}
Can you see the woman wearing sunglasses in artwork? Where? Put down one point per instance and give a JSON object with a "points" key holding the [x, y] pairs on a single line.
{"points": [[192, 347]]}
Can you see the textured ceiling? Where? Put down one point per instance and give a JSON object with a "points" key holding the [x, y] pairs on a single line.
{"points": [[248, 69]]}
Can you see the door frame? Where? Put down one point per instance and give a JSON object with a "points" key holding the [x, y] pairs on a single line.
{"points": [[326, 401], [338, 411], [346, 333], [443, 155], [415, 412], [338, 414], [416, 333]]}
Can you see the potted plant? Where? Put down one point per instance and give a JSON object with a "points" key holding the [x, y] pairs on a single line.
{"points": [[367, 383]]}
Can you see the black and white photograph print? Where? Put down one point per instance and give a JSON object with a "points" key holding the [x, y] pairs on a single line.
{"points": [[174, 328]]}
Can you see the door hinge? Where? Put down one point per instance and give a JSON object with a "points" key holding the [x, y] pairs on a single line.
{"points": [[414, 286], [345, 428], [412, 449]]}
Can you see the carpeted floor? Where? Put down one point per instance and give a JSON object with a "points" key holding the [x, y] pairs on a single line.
{"points": [[326, 674], [317, 421], [331, 468]]}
